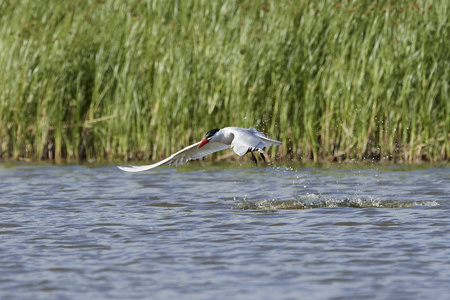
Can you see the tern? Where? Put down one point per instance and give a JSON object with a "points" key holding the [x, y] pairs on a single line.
{"points": [[242, 140]]}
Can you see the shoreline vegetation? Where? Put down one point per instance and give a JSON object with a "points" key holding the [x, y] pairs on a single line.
{"points": [[119, 81]]}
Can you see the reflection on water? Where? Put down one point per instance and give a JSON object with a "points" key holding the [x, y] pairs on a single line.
{"points": [[224, 231]]}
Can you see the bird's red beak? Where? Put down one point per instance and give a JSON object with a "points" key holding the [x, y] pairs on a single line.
{"points": [[203, 143]]}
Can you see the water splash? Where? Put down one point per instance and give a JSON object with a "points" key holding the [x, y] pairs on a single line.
{"points": [[314, 201]]}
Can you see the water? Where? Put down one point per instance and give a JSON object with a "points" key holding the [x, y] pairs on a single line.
{"points": [[225, 231]]}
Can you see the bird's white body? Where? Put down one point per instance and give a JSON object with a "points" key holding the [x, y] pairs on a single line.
{"points": [[242, 140]]}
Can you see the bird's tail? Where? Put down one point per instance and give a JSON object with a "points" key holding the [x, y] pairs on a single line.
{"points": [[270, 141], [264, 138]]}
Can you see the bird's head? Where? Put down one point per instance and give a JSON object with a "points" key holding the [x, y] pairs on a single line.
{"points": [[208, 137]]}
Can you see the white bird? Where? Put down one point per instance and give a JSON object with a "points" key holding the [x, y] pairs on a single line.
{"points": [[242, 140]]}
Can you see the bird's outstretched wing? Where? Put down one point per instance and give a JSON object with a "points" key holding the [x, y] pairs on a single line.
{"points": [[189, 153]]}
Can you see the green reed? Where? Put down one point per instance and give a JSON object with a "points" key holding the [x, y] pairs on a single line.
{"points": [[130, 80]]}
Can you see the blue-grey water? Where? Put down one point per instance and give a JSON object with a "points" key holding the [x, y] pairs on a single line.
{"points": [[225, 231]]}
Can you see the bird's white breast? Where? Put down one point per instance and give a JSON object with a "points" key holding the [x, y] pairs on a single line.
{"points": [[225, 136]]}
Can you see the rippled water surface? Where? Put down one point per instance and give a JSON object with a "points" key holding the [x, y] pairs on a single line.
{"points": [[225, 231]]}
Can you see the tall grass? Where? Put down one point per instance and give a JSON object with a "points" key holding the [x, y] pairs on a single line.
{"points": [[129, 80]]}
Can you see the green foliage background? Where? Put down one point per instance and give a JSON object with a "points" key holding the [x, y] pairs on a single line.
{"points": [[129, 80]]}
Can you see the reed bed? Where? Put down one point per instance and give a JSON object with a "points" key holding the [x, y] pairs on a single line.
{"points": [[138, 80]]}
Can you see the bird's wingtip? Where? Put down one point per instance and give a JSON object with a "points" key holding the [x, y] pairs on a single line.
{"points": [[126, 169], [135, 169]]}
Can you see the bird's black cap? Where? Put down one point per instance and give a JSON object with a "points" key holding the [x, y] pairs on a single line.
{"points": [[210, 133]]}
